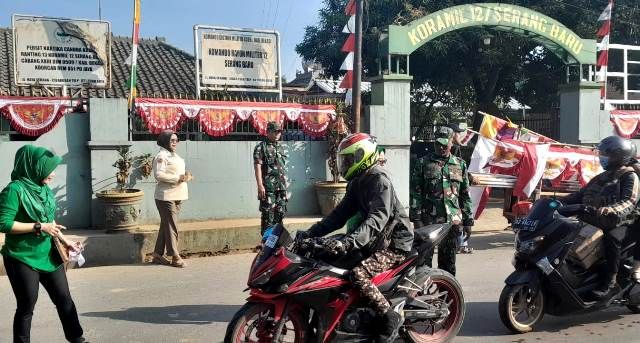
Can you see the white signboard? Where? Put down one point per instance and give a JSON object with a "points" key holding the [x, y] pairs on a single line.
{"points": [[239, 58], [61, 52]]}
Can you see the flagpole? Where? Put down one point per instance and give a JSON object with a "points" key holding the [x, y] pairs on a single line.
{"points": [[134, 52], [606, 71]]}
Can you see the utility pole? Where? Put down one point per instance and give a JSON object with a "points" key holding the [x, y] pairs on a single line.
{"points": [[357, 67], [99, 10]]}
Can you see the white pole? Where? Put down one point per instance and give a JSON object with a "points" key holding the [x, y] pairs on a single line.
{"points": [[195, 53]]}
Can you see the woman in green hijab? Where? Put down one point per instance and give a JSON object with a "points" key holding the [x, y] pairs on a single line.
{"points": [[27, 209]]}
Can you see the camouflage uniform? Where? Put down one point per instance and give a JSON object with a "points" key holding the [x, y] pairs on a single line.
{"points": [[375, 264], [272, 158], [440, 194]]}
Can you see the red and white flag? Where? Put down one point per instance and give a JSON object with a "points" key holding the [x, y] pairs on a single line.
{"points": [[603, 47], [531, 168], [480, 157]]}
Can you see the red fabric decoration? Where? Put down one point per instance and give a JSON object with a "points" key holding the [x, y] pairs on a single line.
{"points": [[260, 119], [34, 116], [314, 124], [216, 123], [351, 8], [626, 123], [160, 118]]}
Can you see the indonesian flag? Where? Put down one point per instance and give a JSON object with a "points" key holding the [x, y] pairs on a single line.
{"points": [[480, 157], [531, 168]]}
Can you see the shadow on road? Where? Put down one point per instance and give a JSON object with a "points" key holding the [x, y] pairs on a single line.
{"points": [[181, 314], [492, 240], [482, 320]]}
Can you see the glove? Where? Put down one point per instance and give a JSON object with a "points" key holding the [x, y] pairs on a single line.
{"points": [[606, 211], [302, 235], [337, 247], [590, 210]]}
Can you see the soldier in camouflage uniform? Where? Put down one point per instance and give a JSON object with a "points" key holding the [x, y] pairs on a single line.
{"points": [[440, 194], [269, 166]]}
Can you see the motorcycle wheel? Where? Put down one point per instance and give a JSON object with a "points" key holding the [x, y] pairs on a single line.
{"points": [[448, 293], [519, 309], [253, 323]]}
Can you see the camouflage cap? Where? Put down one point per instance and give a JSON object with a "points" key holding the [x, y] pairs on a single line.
{"points": [[443, 135], [273, 126]]}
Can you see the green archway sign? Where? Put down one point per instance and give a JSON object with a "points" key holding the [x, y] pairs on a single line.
{"points": [[403, 40]]}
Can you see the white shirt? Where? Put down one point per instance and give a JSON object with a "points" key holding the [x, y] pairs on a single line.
{"points": [[167, 168]]}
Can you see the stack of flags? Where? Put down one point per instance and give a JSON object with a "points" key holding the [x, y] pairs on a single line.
{"points": [[603, 46], [349, 48]]}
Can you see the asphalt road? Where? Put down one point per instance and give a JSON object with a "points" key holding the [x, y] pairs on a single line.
{"points": [[149, 303]]}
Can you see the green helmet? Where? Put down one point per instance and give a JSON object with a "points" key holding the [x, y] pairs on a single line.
{"points": [[356, 153]]}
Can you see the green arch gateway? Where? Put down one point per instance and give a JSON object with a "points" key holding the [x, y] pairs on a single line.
{"points": [[568, 46]]}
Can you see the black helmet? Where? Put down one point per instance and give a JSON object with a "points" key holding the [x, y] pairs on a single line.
{"points": [[616, 152]]}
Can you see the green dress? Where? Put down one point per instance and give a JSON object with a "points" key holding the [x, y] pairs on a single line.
{"points": [[25, 199]]}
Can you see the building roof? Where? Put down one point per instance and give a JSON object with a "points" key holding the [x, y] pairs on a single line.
{"points": [[163, 70]]}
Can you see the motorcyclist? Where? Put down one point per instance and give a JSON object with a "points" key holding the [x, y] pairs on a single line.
{"points": [[610, 201], [384, 235]]}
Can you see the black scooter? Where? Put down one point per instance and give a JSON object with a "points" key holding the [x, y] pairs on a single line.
{"points": [[549, 278]]}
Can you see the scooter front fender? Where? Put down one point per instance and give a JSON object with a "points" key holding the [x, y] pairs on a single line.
{"points": [[520, 277]]}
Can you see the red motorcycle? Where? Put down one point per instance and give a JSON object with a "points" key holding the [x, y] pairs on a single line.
{"points": [[295, 296]]}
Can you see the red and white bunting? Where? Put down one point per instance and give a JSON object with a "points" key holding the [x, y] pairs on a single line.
{"points": [[217, 117], [34, 116], [350, 26], [347, 64], [626, 123], [603, 47], [350, 44], [351, 8], [347, 80]]}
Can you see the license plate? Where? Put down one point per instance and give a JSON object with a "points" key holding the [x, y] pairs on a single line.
{"points": [[525, 224]]}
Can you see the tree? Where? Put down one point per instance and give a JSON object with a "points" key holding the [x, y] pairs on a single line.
{"points": [[457, 67]]}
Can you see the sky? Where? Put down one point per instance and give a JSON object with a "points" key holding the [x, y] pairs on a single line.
{"points": [[174, 19]]}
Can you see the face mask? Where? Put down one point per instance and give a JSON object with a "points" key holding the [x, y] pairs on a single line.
{"points": [[604, 162]]}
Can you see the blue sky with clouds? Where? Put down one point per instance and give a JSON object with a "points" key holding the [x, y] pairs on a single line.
{"points": [[174, 19]]}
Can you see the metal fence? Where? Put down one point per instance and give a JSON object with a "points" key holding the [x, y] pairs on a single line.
{"points": [[547, 124]]}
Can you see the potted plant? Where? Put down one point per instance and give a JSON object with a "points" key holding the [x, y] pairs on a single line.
{"points": [[330, 193], [121, 204]]}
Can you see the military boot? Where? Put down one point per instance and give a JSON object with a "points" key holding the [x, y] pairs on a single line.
{"points": [[391, 322]]}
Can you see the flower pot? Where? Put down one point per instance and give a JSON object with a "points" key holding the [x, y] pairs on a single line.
{"points": [[329, 195], [121, 208]]}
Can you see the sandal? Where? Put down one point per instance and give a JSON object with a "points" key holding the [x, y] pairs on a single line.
{"points": [[178, 263], [159, 259], [465, 250]]}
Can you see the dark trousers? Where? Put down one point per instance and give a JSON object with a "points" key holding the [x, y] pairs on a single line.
{"points": [[446, 252], [613, 240], [25, 283], [168, 233]]}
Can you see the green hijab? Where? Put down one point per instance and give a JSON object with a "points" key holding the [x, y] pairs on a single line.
{"points": [[32, 165]]}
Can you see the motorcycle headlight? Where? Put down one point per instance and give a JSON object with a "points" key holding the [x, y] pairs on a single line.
{"points": [[528, 246]]}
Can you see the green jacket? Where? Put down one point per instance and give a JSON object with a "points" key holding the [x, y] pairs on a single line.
{"points": [[439, 191], [27, 200]]}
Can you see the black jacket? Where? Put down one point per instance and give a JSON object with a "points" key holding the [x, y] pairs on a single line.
{"points": [[618, 190], [372, 195]]}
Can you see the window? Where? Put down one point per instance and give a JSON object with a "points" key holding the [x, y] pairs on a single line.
{"points": [[633, 55], [633, 68], [634, 82], [616, 61], [615, 88]]}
